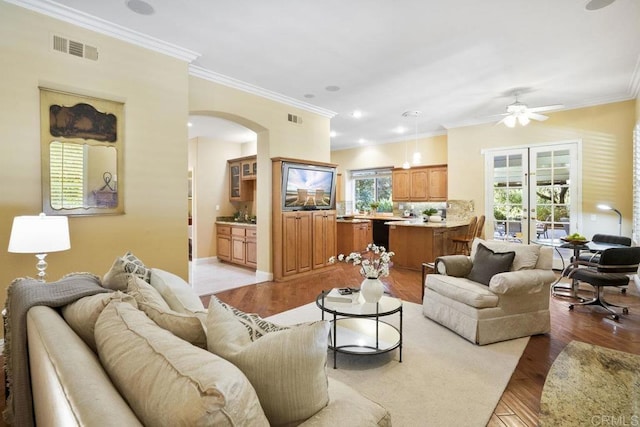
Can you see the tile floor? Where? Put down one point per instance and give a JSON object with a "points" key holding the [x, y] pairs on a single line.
{"points": [[209, 276]]}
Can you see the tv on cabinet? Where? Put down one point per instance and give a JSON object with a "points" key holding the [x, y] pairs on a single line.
{"points": [[308, 187]]}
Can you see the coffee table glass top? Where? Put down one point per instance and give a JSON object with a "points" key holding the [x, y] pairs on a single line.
{"points": [[387, 305]]}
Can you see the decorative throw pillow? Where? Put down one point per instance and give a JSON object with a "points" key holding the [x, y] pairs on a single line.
{"points": [[286, 367], [526, 255], [186, 326], [488, 263], [256, 325], [81, 315], [116, 277], [168, 382], [176, 292]]}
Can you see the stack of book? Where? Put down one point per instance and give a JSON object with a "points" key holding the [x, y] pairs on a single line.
{"points": [[342, 295]]}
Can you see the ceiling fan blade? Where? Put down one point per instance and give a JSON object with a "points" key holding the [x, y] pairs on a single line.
{"points": [[536, 116], [545, 108]]}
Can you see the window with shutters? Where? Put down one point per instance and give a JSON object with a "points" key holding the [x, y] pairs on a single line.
{"points": [[636, 184], [67, 174]]}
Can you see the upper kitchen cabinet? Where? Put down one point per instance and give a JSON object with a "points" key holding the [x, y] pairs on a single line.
{"points": [[422, 184], [249, 168], [240, 187]]}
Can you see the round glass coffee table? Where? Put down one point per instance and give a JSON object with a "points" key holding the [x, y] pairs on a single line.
{"points": [[357, 327]]}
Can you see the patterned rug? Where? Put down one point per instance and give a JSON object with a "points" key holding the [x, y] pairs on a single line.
{"points": [[443, 379]]}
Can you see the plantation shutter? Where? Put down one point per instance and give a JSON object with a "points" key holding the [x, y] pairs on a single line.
{"points": [[67, 192], [636, 185]]}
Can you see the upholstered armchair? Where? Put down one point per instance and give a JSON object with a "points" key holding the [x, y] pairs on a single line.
{"points": [[499, 292]]}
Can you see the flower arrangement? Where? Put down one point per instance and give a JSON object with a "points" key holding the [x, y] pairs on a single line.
{"points": [[375, 262]]}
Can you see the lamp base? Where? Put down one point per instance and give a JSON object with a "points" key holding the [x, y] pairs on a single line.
{"points": [[41, 266]]}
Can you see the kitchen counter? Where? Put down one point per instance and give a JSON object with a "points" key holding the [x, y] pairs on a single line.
{"points": [[429, 224], [352, 221], [237, 223], [381, 216]]}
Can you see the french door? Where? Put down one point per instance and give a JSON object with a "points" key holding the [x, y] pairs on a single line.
{"points": [[532, 192]]}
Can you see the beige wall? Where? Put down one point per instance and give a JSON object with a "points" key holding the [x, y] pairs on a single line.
{"points": [[606, 135], [276, 138], [154, 89], [433, 150]]}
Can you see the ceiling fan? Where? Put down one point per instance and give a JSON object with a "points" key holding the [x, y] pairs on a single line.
{"points": [[521, 113]]}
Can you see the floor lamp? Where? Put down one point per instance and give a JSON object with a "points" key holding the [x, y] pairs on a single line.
{"points": [[39, 235], [609, 208]]}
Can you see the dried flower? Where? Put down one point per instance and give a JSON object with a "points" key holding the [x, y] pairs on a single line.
{"points": [[375, 262]]}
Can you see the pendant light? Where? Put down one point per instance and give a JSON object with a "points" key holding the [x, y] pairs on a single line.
{"points": [[406, 164], [417, 156]]}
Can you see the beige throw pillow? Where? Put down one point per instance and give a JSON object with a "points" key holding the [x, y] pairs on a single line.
{"points": [[186, 326], [168, 382], [81, 315], [176, 292], [286, 367]]}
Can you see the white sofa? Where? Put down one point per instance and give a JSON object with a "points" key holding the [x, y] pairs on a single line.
{"points": [[513, 304], [105, 359]]}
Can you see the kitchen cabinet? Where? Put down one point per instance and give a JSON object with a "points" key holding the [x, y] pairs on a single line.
{"points": [[237, 244], [353, 236], [423, 184], [249, 168], [324, 237], [240, 190], [296, 242], [415, 244]]}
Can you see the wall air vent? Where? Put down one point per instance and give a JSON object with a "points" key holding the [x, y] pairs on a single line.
{"points": [[75, 48], [294, 119]]}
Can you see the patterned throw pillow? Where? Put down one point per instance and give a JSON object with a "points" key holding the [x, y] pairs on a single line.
{"points": [[117, 276], [256, 325]]}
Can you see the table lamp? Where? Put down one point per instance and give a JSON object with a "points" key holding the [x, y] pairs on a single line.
{"points": [[609, 208], [39, 235]]}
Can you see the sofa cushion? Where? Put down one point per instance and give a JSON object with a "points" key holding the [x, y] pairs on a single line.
{"points": [[526, 255], [116, 277], [487, 263], [81, 315], [256, 326], [286, 367], [168, 382], [462, 290], [186, 326], [175, 291]]}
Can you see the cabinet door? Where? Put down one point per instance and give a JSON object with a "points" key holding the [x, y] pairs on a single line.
{"points": [[223, 248], [234, 181], [324, 237], [400, 184], [237, 250], [361, 237], [438, 184], [296, 241], [251, 248], [419, 185]]}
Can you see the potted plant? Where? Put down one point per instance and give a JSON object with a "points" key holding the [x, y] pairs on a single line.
{"points": [[374, 206], [432, 212]]}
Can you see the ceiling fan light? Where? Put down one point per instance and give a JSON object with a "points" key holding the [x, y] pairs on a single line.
{"points": [[510, 121], [523, 119]]}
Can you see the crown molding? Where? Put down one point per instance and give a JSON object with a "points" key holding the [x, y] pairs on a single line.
{"points": [[84, 20], [212, 76]]}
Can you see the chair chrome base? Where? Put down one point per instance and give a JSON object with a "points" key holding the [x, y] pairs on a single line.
{"points": [[599, 300]]}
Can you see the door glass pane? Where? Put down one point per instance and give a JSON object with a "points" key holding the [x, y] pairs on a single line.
{"points": [[553, 193], [507, 196]]}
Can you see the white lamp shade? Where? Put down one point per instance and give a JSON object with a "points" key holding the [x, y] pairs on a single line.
{"points": [[39, 234]]}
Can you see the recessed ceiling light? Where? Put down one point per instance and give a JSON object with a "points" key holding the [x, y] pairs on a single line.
{"points": [[140, 7], [597, 4], [309, 95], [401, 130], [357, 114], [189, 124], [332, 134], [361, 141], [332, 88]]}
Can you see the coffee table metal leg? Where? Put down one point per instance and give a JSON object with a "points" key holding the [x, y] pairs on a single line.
{"points": [[400, 348], [335, 341]]}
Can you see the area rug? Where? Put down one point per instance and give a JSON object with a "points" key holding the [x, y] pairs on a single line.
{"points": [[443, 379], [591, 385]]}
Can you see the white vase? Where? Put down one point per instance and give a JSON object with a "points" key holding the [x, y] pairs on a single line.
{"points": [[435, 218], [371, 290]]}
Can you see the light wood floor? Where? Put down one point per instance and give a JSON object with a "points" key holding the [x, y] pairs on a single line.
{"points": [[520, 402]]}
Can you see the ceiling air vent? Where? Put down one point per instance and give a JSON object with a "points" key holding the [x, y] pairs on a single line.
{"points": [[75, 48], [294, 119]]}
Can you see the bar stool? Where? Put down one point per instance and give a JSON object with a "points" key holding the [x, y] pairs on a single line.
{"points": [[462, 244]]}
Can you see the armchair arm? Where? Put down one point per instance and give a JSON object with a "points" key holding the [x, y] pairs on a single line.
{"points": [[521, 281], [453, 265]]}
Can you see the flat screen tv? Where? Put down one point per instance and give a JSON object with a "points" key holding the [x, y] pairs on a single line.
{"points": [[308, 187]]}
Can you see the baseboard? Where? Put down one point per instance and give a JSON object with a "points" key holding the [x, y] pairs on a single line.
{"points": [[263, 276], [207, 260]]}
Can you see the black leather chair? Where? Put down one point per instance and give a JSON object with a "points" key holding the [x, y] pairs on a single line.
{"points": [[594, 256], [614, 268]]}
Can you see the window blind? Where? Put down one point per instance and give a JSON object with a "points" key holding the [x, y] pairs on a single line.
{"points": [[67, 192]]}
